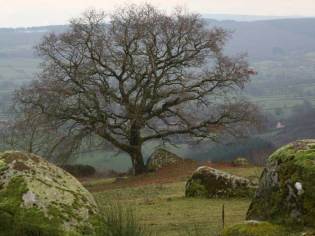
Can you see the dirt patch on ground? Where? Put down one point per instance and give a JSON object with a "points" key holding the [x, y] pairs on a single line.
{"points": [[179, 171]]}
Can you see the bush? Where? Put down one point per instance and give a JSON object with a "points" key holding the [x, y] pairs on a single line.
{"points": [[79, 170]]}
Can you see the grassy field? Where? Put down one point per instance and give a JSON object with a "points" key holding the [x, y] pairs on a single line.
{"points": [[163, 209]]}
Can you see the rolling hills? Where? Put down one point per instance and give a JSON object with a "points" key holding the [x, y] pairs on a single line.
{"points": [[282, 51]]}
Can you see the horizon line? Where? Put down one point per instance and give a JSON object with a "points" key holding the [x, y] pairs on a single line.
{"points": [[222, 17]]}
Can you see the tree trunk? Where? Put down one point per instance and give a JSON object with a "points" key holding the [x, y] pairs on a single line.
{"points": [[138, 163], [136, 153]]}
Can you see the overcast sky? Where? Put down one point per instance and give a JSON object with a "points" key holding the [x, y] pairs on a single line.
{"points": [[15, 13]]}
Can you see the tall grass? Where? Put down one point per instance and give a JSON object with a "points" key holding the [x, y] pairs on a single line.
{"points": [[121, 221]]}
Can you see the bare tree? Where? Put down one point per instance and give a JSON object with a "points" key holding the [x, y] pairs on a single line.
{"points": [[141, 76], [29, 131]]}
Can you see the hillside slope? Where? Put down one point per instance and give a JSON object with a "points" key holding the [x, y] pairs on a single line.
{"points": [[270, 39]]}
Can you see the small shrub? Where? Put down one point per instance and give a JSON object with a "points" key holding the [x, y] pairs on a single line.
{"points": [[79, 170]]}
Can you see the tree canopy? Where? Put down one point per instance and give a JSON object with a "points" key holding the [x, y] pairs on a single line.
{"points": [[140, 76]]}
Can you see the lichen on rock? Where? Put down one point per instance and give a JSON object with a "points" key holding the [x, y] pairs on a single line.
{"points": [[209, 182], [36, 194], [286, 192]]}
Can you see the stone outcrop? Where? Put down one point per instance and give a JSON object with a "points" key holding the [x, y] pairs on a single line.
{"points": [[209, 182], [286, 192], [38, 197], [161, 158]]}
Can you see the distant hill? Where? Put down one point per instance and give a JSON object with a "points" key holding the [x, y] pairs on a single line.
{"points": [[261, 39], [233, 17], [281, 50], [270, 39], [20, 42]]}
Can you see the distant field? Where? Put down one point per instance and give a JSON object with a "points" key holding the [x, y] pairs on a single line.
{"points": [[284, 103], [18, 69], [288, 102], [15, 71], [164, 210], [104, 160]]}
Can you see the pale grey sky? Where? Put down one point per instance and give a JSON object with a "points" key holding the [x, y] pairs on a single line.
{"points": [[14, 13]]}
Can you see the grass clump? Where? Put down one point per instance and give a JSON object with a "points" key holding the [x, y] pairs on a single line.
{"points": [[120, 221]]}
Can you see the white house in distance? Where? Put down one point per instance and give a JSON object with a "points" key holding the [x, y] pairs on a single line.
{"points": [[280, 125]]}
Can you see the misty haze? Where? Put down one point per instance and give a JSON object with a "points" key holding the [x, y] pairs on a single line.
{"points": [[170, 118]]}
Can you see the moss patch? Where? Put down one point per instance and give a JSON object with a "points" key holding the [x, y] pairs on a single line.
{"points": [[194, 188], [3, 165], [17, 221], [256, 229]]}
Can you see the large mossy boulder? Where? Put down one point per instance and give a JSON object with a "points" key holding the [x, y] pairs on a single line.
{"points": [[209, 182], [256, 228], [286, 192], [38, 198], [161, 158]]}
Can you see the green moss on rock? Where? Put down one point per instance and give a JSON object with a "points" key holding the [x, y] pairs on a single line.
{"points": [[255, 228], [17, 221], [3, 165], [194, 188], [39, 197], [286, 192]]}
